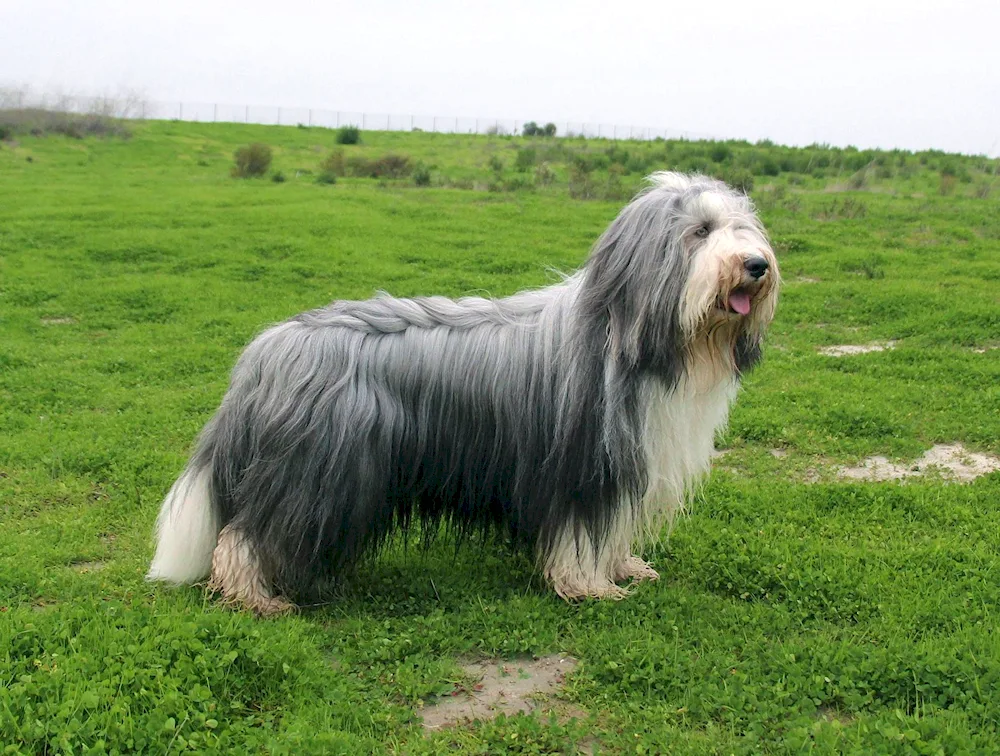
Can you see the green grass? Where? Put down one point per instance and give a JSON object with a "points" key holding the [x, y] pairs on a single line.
{"points": [[837, 617]]}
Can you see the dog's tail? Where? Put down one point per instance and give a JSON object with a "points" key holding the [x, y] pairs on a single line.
{"points": [[187, 528]]}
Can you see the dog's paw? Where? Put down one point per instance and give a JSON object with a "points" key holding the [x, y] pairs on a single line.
{"points": [[599, 589], [634, 568]]}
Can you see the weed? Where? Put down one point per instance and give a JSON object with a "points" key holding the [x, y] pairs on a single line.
{"points": [[333, 163], [388, 166], [525, 159], [252, 160], [348, 135], [421, 175]]}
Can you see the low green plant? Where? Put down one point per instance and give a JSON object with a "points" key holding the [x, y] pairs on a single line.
{"points": [[348, 135], [251, 161]]}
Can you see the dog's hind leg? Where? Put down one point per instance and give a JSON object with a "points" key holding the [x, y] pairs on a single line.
{"points": [[236, 574]]}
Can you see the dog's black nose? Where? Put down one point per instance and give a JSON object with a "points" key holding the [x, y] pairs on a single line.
{"points": [[756, 266]]}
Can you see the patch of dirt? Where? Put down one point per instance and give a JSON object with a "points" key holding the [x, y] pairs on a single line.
{"points": [[85, 567], [58, 321], [499, 687], [952, 461], [984, 350], [843, 350], [779, 453], [805, 280], [829, 714]]}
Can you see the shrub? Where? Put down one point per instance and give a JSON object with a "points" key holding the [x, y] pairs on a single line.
{"points": [[495, 164], [613, 188], [738, 178], [326, 178], [533, 129], [947, 184], [581, 183], [389, 166], [41, 122], [859, 179], [278, 177], [525, 159], [544, 175], [720, 152], [421, 175], [333, 163], [252, 160], [348, 135]]}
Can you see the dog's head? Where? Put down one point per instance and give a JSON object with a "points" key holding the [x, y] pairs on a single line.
{"points": [[685, 275]]}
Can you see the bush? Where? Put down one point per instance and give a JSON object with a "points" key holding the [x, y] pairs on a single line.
{"points": [[544, 175], [278, 177], [334, 163], [326, 178], [739, 178], [421, 175], [41, 122], [389, 166], [533, 129], [495, 164], [581, 183], [348, 135], [525, 159], [252, 160]]}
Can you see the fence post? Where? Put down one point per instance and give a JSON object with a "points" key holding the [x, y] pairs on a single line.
{"points": [[246, 114], [363, 124], [310, 117], [411, 122], [456, 125], [215, 113], [279, 116], [338, 119], [180, 111]]}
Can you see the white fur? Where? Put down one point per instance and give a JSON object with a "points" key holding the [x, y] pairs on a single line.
{"points": [[679, 441], [186, 531]]}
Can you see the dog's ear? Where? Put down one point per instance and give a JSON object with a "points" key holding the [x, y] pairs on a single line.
{"points": [[746, 352]]}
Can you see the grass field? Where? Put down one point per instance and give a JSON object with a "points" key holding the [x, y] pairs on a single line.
{"points": [[796, 611]]}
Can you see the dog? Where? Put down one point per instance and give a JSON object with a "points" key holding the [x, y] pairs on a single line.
{"points": [[574, 420]]}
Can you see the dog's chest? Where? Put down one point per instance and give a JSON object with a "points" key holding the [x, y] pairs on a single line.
{"points": [[679, 435]]}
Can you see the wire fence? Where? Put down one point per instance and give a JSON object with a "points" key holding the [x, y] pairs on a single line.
{"points": [[135, 107]]}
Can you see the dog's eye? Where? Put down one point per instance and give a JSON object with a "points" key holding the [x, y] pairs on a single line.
{"points": [[701, 232]]}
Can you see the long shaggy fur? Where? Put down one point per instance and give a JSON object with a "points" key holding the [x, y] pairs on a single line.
{"points": [[571, 419]]}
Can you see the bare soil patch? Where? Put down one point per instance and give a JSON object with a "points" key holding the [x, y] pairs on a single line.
{"points": [[499, 687], [844, 350], [952, 461], [84, 567]]}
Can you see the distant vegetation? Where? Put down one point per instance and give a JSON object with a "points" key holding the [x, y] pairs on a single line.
{"points": [[15, 122], [252, 160]]}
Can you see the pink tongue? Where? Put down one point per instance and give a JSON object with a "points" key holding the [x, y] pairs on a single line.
{"points": [[740, 301]]}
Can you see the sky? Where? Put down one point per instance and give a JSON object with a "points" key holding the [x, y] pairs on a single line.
{"points": [[906, 74]]}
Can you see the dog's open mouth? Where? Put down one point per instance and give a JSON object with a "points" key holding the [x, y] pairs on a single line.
{"points": [[738, 301]]}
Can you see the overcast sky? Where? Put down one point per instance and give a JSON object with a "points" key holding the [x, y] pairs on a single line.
{"points": [[887, 74]]}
